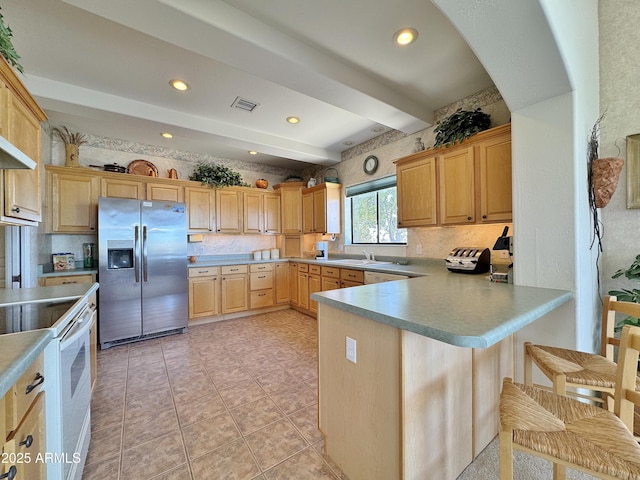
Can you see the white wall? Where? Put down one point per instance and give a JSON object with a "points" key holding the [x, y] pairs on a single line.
{"points": [[620, 98]]}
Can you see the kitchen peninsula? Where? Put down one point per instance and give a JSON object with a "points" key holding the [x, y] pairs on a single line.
{"points": [[421, 398]]}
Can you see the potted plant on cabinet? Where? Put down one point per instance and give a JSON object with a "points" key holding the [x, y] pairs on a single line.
{"points": [[6, 46], [216, 176], [628, 295], [460, 126]]}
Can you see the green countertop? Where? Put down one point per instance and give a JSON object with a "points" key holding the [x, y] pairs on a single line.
{"points": [[458, 309]]}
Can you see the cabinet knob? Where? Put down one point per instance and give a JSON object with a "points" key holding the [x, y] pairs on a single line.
{"points": [[16, 209], [11, 474], [27, 442], [484, 216], [469, 218]]}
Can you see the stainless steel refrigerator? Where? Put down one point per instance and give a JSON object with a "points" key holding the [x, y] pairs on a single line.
{"points": [[142, 269]]}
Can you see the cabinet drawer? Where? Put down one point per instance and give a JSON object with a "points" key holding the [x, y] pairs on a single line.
{"points": [[352, 275], [314, 269], [261, 267], [231, 269], [68, 280], [20, 397], [262, 298], [332, 272], [28, 441], [261, 280], [204, 271], [303, 267]]}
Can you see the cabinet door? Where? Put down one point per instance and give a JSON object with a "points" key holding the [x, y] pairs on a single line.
{"points": [[204, 297], [303, 290], [495, 179], [457, 187], [165, 192], [121, 188], [330, 283], [229, 211], [291, 200], [201, 209], [416, 185], [293, 283], [320, 211], [253, 212], [282, 283], [315, 285], [234, 293], [272, 218], [32, 425], [307, 212], [73, 202], [22, 188]]}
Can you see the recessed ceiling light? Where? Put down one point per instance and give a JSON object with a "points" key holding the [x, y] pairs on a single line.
{"points": [[166, 135], [252, 152], [347, 143], [293, 120], [377, 129], [405, 36], [179, 85]]}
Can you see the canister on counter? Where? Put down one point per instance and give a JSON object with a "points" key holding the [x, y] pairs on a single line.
{"points": [[88, 250], [266, 254], [275, 253], [257, 255]]}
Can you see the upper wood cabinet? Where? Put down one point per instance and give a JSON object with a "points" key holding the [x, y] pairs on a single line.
{"points": [[457, 186], [123, 188], [72, 200], [463, 184], [165, 192], [20, 118], [291, 203], [272, 213], [261, 212], [201, 209], [321, 208], [229, 210], [417, 194], [495, 179]]}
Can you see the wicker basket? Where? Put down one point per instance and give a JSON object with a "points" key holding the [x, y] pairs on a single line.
{"points": [[605, 173], [331, 179]]}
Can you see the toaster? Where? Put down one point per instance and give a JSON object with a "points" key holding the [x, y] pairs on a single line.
{"points": [[468, 260]]}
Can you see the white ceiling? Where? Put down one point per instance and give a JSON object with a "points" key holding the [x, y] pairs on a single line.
{"points": [[103, 67]]}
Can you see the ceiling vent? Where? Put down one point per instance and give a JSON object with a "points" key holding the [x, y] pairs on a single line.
{"points": [[244, 104]]}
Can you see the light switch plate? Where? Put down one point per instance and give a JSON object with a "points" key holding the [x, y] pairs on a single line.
{"points": [[351, 350]]}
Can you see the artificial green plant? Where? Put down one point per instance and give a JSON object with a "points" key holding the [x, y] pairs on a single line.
{"points": [[216, 176], [628, 295], [6, 46]]}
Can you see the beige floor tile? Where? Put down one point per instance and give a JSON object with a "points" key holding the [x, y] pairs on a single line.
{"points": [[179, 473], [226, 377], [205, 436], [105, 415], [107, 468], [142, 400], [202, 388], [198, 409], [153, 458], [255, 415], [294, 397], [105, 443], [306, 465], [306, 420], [275, 443], [240, 393], [145, 426], [231, 462]]}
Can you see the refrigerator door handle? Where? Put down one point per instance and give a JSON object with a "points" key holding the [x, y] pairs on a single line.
{"points": [[144, 253], [136, 253]]}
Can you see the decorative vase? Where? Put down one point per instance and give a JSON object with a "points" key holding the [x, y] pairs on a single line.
{"points": [[605, 173], [419, 146], [71, 155], [262, 183]]}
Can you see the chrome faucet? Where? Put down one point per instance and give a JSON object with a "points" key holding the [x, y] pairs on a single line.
{"points": [[368, 255]]}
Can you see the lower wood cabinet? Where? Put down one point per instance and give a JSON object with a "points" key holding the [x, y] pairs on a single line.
{"points": [[282, 283], [204, 292], [234, 288], [293, 283], [261, 285], [66, 280]]}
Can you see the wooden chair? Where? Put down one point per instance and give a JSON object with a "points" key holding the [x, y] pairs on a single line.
{"points": [[571, 433], [574, 369]]}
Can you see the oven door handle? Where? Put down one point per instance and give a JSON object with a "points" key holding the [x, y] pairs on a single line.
{"points": [[79, 326]]}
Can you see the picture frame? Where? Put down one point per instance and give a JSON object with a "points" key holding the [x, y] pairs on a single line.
{"points": [[633, 171]]}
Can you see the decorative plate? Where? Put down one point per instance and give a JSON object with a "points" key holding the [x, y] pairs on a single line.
{"points": [[143, 167]]}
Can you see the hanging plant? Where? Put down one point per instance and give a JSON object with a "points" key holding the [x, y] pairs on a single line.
{"points": [[6, 46], [460, 126], [217, 176]]}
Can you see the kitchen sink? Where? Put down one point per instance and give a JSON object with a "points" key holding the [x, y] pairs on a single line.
{"points": [[358, 262]]}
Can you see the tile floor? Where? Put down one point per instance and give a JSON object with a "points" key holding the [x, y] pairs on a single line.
{"points": [[230, 400]]}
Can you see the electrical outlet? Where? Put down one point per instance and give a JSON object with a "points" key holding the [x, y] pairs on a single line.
{"points": [[418, 249], [351, 350]]}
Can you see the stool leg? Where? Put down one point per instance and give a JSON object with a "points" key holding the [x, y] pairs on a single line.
{"points": [[528, 379], [506, 454], [560, 385], [559, 472]]}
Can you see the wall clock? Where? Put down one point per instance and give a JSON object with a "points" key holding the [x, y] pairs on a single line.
{"points": [[370, 164]]}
